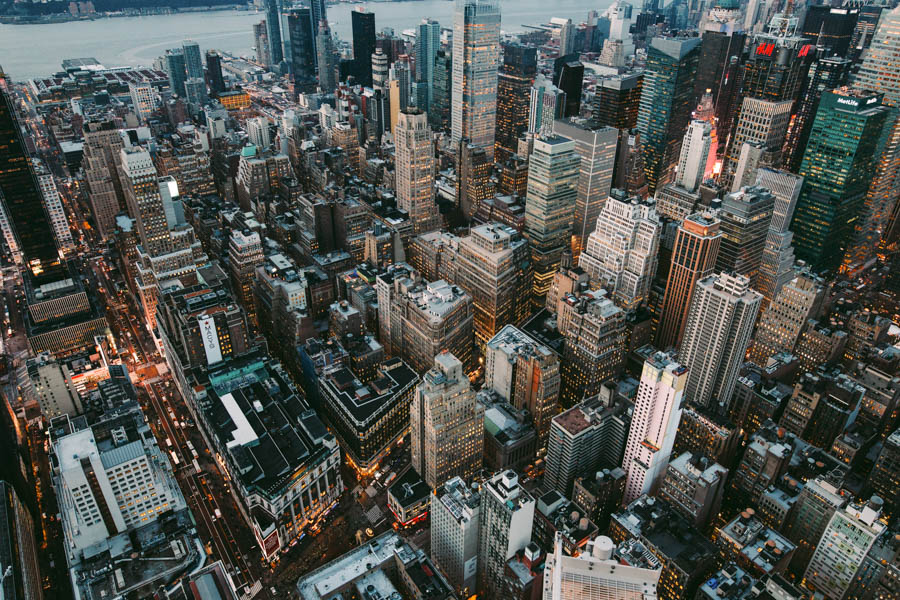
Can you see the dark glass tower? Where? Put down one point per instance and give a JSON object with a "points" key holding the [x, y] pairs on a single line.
{"points": [[363, 23], [617, 101], [177, 69], [513, 95], [568, 75], [319, 13], [718, 72], [273, 30], [847, 137], [830, 28], [303, 64], [21, 197], [214, 76]]}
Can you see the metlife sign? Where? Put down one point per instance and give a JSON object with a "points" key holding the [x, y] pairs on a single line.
{"points": [[210, 339]]}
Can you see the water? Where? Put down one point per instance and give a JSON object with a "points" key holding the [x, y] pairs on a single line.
{"points": [[37, 50]]}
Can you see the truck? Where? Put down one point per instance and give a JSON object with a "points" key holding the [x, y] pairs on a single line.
{"points": [[175, 460]]}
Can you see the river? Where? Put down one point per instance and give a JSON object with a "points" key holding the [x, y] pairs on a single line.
{"points": [[36, 50]]}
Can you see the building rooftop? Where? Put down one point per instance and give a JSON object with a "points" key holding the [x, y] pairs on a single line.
{"points": [[364, 403], [409, 489], [765, 548]]}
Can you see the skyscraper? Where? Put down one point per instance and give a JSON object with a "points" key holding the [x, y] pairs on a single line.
{"points": [[781, 323], [273, 32], [694, 155], [666, 102], [622, 252], [776, 266], [192, 59], [718, 329], [446, 423], [745, 216], [177, 70], [439, 115], [476, 58], [325, 58], [549, 205], [546, 104], [597, 148], [513, 86], [657, 411], [363, 23], [617, 101], [428, 42], [693, 258], [245, 253], [261, 41], [840, 162], [473, 185], [415, 169], [102, 142], [214, 72], [300, 39], [568, 75], [319, 13], [454, 533]]}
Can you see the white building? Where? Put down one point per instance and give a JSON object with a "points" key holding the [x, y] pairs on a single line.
{"points": [[506, 515], [622, 252], [694, 155], [776, 266], [415, 170], [657, 411], [143, 100], [454, 533], [58, 220], [258, 132], [596, 575]]}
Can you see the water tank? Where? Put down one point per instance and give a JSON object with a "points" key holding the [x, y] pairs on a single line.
{"points": [[603, 548]]}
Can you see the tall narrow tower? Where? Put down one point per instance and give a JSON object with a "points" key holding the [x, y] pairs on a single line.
{"points": [[415, 169]]}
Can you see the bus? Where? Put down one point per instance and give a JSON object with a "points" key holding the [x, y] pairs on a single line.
{"points": [[196, 466], [174, 458], [169, 442]]}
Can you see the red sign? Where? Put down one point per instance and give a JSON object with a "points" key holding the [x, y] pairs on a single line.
{"points": [[805, 50], [765, 49], [271, 544]]}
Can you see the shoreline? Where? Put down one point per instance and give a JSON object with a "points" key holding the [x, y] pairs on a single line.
{"points": [[67, 18]]}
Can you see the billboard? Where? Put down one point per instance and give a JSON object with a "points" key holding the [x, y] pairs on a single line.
{"points": [[210, 337]]}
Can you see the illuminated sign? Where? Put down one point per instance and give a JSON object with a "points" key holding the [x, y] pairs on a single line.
{"points": [[765, 49], [804, 51], [271, 544], [847, 101], [210, 339]]}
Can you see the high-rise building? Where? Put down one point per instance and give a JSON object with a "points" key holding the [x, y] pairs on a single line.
{"points": [[446, 424], [553, 171], [258, 132], [319, 13], [589, 436], [830, 28], [885, 477], [192, 59], [568, 76], [567, 38], [325, 58], [415, 169], [301, 34], [622, 252], [816, 503], [102, 142], [439, 115], [363, 24], [762, 124], [400, 89], [454, 533], [596, 574], [693, 258], [428, 42], [513, 87], [594, 328], [176, 67], [546, 104], [776, 267], [245, 253], [841, 160], [476, 59], [214, 72], [143, 100], [667, 99], [694, 155], [617, 101], [719, 325], [18, 550], [261, 41], [694, 486], [473, 175], [657, 410], [745, 216], [506, 515], [380, 69], [781, 324], [525, 374], [849, 536], [273, 32], [597, 148]]}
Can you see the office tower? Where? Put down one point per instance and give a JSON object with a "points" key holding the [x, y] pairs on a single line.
{"points": [[454, 533], [594, 329], [549, 205], [816, 503], [399, 87], [693, 258], [525, 374], [630, 174], [18, 549], [720, 45], [825, 73], [261, 39], [415, 170], [694, 486], [667, 99], [622, 252], [102, 142], [325, 58], [363, 23], [546, 104], [589, 436], [318, 13], [177, 69], [273, 33], [657, 410], [494, 267], [776, 266], [781, 324], [830, 28], [617, 101], [245, 253], [513, 95], [59, 222], [850, 534], [428, 42], [439, 115], [300, 40], [885, 477], [380, 69], [214, 72], [476, 58], [258, 132], [762, 123], [568, 75], [143, 100], [192, 59], [745, 216], [597, 573], [506, 514], [718, 329], [446, 424], [195, 93], [473, 178], [694, 156], [597, 148], [567, 38], [620, 17], [840, 162]]}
